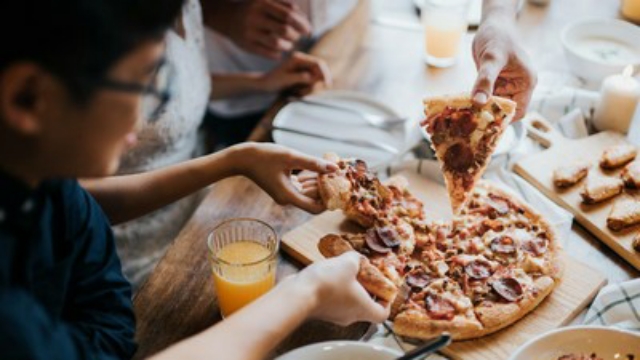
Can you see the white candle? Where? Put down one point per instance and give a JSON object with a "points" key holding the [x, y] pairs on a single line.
{"points": [[619, 96]]}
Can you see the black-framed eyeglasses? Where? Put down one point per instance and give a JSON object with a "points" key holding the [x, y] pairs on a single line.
{"points": [[156, 94]]}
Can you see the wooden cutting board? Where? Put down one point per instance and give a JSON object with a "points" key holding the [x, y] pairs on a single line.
{"points": [[579, 286], [538, 170]]}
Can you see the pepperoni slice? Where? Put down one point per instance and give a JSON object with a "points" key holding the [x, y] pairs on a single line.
{"points": [[503, 245], [374, 242], [536, 246], [439, 308], [418, 279], [478, 269], [509, 288], [459, 157], [389, 235], [464, 124]]}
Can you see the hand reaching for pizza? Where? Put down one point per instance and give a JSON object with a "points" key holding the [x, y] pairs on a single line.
{"points": [[299, 74], [270, 167], [503, 66], [340, 298]]}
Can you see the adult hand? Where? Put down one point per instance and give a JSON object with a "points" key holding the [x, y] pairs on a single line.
{"points": [[270, 167], [269, 27], [299, 73], [340, 298], [503, 66]]}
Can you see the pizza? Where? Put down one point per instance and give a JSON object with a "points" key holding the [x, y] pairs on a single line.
{"points": [[471, 276], [364, 199], [464, 137]]}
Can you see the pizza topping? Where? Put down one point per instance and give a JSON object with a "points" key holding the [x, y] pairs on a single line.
{"points": [[509, 288], [374, 242], [536, 246], [463, 123], [503, 245], [500, 205], [439, 308], [389, 235], [532, 264], [418, 279], [478, 269], [441, 267], [490, 224], [459, 158]]}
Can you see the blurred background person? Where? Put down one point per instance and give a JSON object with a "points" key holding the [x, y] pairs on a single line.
{"points": [[254, 37]]}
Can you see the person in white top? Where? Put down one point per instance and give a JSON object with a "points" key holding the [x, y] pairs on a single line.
{"points": [[245, 38]]}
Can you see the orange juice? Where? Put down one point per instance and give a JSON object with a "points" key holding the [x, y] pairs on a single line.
{"points": [[445, 23], [443, 41], [246, 271]]}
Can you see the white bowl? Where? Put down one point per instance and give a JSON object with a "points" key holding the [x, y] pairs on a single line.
{"points": [[597, 48], [607, 343], [342, 350]]}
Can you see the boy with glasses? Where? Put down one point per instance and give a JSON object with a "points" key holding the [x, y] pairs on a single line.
{"points": [[72, 76]]}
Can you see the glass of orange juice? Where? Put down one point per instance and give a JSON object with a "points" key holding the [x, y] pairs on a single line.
{"points": [[445, 23], [243, 255]]}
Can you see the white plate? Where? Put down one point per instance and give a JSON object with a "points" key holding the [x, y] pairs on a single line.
{"points": [[607, 343], [342, 350], [338, 124]]}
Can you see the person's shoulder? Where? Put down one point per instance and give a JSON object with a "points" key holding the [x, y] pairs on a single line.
{"points": [[77, 207]]}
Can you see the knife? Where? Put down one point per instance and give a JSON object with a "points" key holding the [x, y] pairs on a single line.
{"points": [[357, 142]]}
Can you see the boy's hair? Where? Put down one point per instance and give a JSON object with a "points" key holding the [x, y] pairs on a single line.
{"points": [[79, 40]]}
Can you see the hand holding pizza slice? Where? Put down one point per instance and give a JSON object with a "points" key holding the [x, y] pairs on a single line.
{"points": [[464, 137]]}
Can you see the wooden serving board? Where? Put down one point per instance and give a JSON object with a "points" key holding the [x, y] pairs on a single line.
{"points": [[579, 286], [538, 170]]}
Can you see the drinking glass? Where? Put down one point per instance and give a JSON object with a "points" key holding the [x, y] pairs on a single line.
{"points": [[243, 254]]}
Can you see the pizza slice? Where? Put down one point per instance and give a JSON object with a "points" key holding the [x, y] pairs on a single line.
{"points": [[371, 277], [363, 197], [464, 137], [355, 191]]}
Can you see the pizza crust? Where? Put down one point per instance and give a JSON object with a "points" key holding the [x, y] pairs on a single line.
{"points": [[435, 105], [369, 276], [500, 315], [415, 324], [332, 187]]}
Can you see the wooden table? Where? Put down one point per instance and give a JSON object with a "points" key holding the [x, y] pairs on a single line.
{"points": [[178, 299]]}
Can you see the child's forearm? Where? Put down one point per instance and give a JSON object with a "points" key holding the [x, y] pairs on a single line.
{"points": [[127, 197], [255, 330]]}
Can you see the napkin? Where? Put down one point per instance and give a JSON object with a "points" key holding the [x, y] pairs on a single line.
{"points": [[617, 305]]}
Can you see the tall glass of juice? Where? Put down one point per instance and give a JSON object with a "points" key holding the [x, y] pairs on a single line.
{"points": [[243, 255], [445, 23]]}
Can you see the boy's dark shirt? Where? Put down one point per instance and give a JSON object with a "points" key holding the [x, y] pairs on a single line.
{"points": [[62, 292]]}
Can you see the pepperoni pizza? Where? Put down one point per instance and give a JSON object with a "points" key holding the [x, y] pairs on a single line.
{"points": [[484, 270]]}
